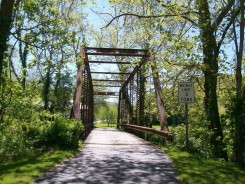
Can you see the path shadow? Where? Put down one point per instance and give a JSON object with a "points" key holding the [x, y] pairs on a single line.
{"points": [[114, 164]]}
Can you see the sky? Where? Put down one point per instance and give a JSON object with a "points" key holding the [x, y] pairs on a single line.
{"points": [[92, 17], [97, 23]]}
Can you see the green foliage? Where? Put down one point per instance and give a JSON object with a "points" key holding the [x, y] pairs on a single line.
{"points": [[199, 138], [61, 132], [21, 139], [24, 103], [52, 30], [61, 95], [25, 170], [193, 169], [232, 119], [99, 101], [13, 144], [104, 125], [108, 113]]}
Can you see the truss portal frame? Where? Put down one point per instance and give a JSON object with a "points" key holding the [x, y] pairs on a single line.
{"points": [[131, 94]]}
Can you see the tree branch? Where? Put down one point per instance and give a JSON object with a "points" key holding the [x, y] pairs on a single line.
{"points": [[233, 17], [35, 26], [17, 2], [21, 40], [200, 85], [145, 16], [187, 18], [101, 13], [11, 62], [222, 14], [183, 16]]}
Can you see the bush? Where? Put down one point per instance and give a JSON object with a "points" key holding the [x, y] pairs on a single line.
{"points": [[20, 139], [13, 144], [199, 139], [61, 132]]}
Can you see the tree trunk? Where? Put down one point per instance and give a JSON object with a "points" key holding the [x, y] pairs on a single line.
{"points": [[6, 13], [162, 115], [210, 58], [23, 52], [56, 95], [76, 110], [142, 99], [239, 114], [47, 86]]}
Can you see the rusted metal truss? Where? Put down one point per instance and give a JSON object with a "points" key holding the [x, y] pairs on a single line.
{"points": [[108, 93], [119, 73], [117, 52], [108, 80], [104, 85], [109, 62], [131, 100], [131, 94]]}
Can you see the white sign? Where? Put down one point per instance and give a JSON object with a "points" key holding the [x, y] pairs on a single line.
{"points": [[186, 92]]}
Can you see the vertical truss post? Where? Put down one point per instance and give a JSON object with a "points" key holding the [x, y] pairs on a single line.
{"points": [[119, 110], [132, 94], [142, 98], [78, 90], [88, 106], [158, 92], [91, 97], [84, 99], [137, 97]]}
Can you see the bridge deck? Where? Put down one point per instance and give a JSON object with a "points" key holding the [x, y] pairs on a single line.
{"points": [[112, 156]]}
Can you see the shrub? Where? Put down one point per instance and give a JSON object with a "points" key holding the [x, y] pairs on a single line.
{"points": [[13, 144], [20, 139], [199, 139], [61, 132]]}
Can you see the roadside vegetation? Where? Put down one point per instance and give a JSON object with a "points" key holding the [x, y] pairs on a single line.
{"points": [[105, 113], [199, 41], [193, 166], [20, 140], [24, 171], [193, 169], [29, 149]]}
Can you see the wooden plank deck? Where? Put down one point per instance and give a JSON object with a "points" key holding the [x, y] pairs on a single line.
{"points": [[113, 156]]}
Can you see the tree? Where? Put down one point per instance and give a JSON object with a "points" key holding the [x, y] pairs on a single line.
{"points": [[108, 114], [143, 34], [162, 114], [211, 49], [212, 27], [239, 101], [6, 18], [43, 47]]}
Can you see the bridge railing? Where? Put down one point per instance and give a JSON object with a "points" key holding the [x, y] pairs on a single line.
{"points": [[152, 131]]}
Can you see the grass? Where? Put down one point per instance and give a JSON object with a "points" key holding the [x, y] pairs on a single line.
{"points": [[157, 127], [104, 125], [193, 169], [25, 171]]}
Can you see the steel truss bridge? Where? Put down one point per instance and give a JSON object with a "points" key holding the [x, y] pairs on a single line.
{"points": [[131, 94]]}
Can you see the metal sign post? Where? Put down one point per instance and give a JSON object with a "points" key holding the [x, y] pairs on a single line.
{"points": [[186, 96], [186, 126]]}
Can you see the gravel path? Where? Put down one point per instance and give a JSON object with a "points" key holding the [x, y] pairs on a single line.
{"points": [[113, 156]]}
